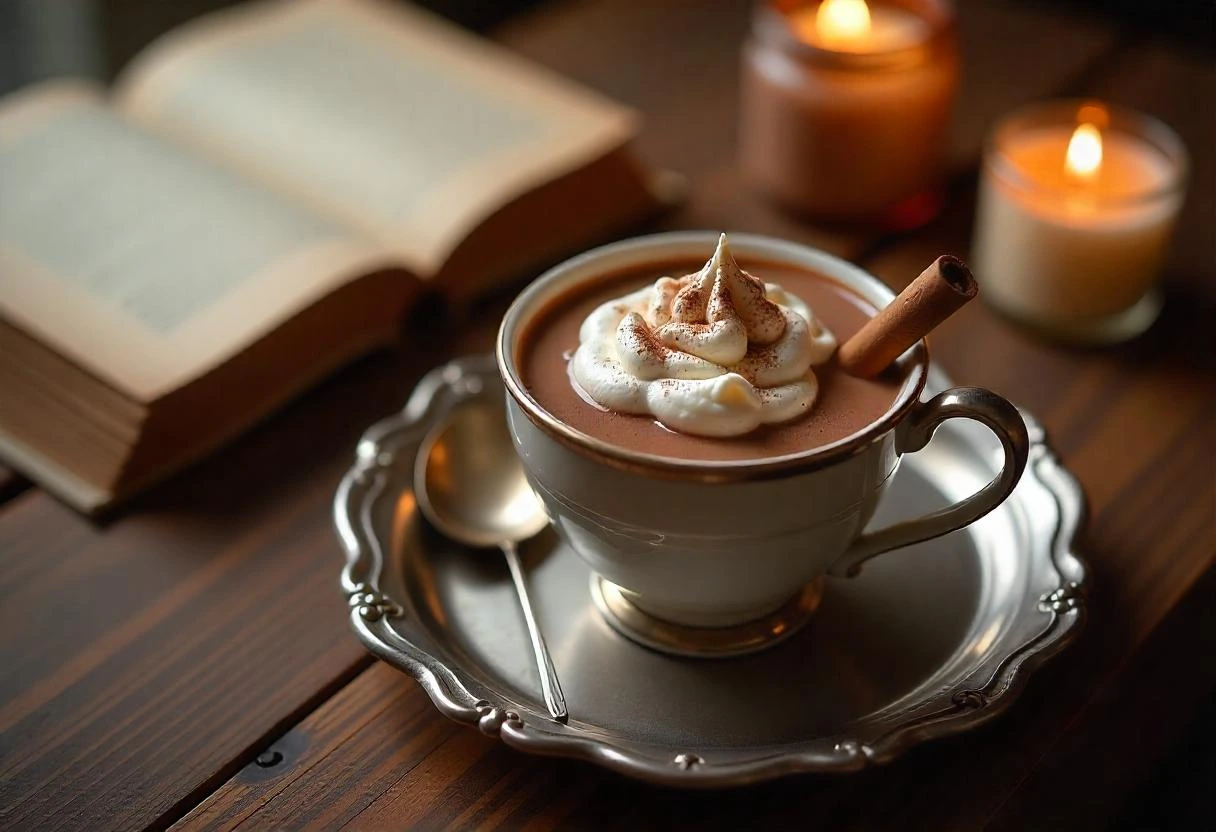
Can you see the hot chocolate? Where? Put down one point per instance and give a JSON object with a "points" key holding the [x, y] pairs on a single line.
{"points": [[704, 361]]}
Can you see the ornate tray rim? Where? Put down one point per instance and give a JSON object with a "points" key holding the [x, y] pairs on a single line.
{"points": [[458, 697]]}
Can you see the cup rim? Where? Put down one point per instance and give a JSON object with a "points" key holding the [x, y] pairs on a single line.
{"points": [[667, 244]]}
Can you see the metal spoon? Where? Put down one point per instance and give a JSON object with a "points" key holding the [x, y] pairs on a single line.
{"points": [[471, 486]]}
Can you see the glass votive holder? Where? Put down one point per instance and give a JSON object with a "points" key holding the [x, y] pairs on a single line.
{"points": [[845, 107], [1077, 203]]}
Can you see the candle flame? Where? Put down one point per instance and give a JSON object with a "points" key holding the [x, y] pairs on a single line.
{"points": [[1084, 156], [840, 21]]}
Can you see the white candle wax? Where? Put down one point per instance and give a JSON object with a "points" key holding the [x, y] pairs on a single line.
{"points": [[1073, 248]]}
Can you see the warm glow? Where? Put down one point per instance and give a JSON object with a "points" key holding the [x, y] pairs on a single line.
{"points": [[1094, 113], [1084, 155], [842, 21]]}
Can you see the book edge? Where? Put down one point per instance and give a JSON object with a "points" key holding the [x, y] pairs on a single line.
{"points": [[78, 493]]}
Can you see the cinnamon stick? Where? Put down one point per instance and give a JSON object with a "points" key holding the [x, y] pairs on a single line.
{"points": [[939, 292]]}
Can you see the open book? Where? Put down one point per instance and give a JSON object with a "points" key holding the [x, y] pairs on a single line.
{"points": [[262, 197]]}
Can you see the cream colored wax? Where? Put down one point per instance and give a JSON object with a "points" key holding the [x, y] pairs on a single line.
{"points": [[1070, 246]]}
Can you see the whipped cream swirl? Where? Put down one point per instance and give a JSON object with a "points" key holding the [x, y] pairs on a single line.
{"points": [[714, 353]]}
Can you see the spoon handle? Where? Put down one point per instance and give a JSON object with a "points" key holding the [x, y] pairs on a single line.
{"points": [[550, 687]]}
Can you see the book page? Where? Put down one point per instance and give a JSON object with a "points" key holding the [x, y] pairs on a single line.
{"points": [[378, 113], [143, 264]]}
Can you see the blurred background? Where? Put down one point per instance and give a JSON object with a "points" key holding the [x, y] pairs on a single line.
{"points": [[96, 38]]}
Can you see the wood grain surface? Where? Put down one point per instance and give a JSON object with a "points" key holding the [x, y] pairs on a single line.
{"points": [[1127, 730], [192, 660], [145, 661]]}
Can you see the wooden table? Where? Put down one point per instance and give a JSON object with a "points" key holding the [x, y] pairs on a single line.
{"points": [[190, 662]]}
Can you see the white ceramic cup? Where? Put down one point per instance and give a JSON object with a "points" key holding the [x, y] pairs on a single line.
{"points": [[718, 543]]}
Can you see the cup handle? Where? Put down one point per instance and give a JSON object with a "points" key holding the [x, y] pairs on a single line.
{"points": [[914, 433]]}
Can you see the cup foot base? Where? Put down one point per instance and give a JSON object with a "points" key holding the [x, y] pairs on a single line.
{"points": [[704, 642]]}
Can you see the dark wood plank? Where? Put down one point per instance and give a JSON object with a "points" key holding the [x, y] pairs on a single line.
{"points": [[409, 767], [380, 728], [146, 661], [142, 659], [1103, 752]]}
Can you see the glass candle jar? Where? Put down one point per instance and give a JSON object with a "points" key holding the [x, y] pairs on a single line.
{"points": [[846, 106], [1076, 208]]}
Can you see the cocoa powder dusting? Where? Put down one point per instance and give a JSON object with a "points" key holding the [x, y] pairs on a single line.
{"points": [[844, 406]]}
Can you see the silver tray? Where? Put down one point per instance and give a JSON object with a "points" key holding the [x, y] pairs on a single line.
{"points": [[913, 648]]}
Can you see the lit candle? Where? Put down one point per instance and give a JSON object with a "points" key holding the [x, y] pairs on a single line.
{"points": [[852, 26], [1077, 203], [845, 106]]}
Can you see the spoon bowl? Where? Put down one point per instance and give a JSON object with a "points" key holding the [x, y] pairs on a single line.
{"points": [[471, 486], [474, 487]]}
